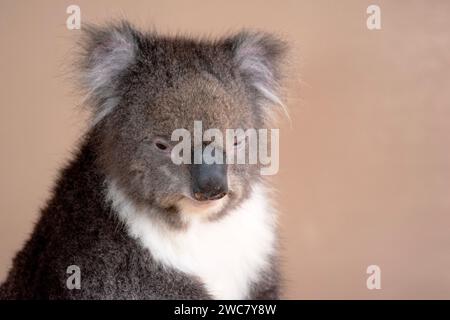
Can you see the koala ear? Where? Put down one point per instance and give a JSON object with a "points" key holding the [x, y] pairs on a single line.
{"points": [[106, 54], [260, 57]]}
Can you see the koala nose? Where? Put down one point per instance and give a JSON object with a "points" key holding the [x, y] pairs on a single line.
{"points": [[209, 181]]}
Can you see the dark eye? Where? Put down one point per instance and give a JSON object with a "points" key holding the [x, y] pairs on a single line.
{"points": [[236, 142], [161, 145]]}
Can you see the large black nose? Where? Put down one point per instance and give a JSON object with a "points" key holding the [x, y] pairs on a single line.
{"points": [[209, 181]]}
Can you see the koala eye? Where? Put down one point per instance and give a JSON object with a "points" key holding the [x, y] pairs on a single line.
{"points": [[237, 142], [161, 145]]}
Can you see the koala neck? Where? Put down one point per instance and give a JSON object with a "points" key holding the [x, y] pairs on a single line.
{"points": [[228, 254]]}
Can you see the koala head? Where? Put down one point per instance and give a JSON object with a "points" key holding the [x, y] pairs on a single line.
{"points": [[144, 86]]}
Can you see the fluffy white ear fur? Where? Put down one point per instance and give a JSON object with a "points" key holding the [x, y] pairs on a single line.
{"points": [[108, 51], [259, 57], [227, 255]]}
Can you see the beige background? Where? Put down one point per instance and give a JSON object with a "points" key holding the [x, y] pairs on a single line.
{"points": [[365, 167]]}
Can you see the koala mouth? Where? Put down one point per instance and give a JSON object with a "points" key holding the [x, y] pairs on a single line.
{"points": [[205, 203], [200, 197], [191, 206]]}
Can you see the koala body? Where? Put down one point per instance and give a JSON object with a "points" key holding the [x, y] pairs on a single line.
{"points": [[138, 225]]}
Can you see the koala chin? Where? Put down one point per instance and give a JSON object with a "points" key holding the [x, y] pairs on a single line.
{"points": [[136, 224]]}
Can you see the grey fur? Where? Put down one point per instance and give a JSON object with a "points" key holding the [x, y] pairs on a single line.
{"points": [[142, 86]]}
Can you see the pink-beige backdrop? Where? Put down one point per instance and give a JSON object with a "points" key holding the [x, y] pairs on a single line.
{"points": [[365, 166]]}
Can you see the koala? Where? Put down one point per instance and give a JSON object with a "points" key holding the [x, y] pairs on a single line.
{"points": [[136, 224]]}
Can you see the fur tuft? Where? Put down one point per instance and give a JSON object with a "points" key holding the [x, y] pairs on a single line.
{"points": [[259, 58], [107, 52]]}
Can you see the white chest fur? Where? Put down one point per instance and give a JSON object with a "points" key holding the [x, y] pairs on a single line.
{"points": [[227, 255]]}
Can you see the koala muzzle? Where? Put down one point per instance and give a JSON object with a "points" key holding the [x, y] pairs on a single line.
{"points": [[209, 181]]}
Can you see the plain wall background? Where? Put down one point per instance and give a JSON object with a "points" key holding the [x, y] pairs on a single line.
{"points": [[365, 167]]}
